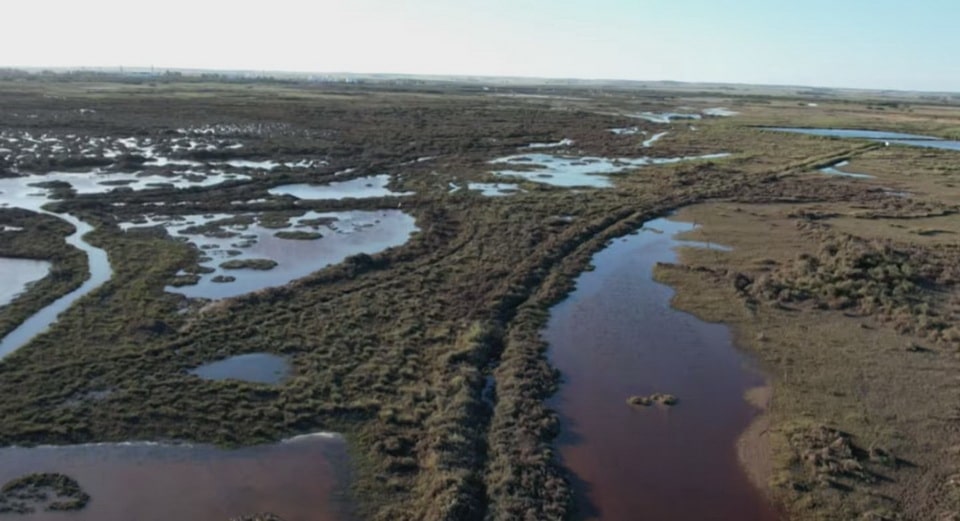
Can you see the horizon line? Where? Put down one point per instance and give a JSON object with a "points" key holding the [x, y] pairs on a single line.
{"points": [[270, 73]]}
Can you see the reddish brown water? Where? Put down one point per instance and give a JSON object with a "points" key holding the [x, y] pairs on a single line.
{"points": [[303, 479], [617, 336]]}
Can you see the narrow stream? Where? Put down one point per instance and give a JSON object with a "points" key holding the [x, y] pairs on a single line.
{"points": [[617, 336], [100, 272]]}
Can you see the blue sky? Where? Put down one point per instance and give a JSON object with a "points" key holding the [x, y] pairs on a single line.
{"points": [[844, 43]]}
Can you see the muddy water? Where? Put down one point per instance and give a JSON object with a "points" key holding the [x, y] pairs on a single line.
{"points": [[303, 479], [616, 336]]}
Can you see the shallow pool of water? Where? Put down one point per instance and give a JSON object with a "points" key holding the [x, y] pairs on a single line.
{"points": [[359, 188], [341, 234], [835, 169], [566, 142], [16, 274], [720, 112], [263, 368], [664, 117], [576, 171], [101, 182], [494, 189], [616, 336], [654, 138], [301, 479]]}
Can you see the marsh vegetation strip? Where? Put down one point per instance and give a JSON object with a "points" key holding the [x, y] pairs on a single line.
{"points": [[303, 479], [17, 274], [100, 272], [617, 336]]}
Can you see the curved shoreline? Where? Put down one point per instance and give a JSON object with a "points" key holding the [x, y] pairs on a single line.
{"points": [[754, 450]]}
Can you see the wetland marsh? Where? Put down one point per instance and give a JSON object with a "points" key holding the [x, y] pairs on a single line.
{"points": [[479, 291]]}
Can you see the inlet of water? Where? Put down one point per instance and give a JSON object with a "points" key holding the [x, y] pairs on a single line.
{"points": [[616, 336], [898, 138]]}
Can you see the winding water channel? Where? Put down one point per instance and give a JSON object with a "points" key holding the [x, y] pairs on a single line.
{"points": [[18, 193], [616, 336]]}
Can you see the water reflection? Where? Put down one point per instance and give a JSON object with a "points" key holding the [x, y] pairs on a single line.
{"points": [[301, 479], [299, 246], [617, 336], [359, 188], [17, 274]]}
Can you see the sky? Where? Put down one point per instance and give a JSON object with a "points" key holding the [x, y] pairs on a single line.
{"points": [[884, 44]]}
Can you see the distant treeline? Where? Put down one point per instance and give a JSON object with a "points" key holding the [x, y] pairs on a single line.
{"points": [[139, 76]]}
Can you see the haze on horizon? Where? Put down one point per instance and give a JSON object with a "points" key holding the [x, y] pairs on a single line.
{"points": [[880, 44]]}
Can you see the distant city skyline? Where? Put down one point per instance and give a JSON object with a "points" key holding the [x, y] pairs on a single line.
{"points": [[880, 44]]}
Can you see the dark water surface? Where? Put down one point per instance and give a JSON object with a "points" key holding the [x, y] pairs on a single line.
{"points": [[616, 336], [302, 479]]}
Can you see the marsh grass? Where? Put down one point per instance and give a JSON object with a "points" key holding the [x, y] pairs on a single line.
{"points": [[869, 443], [44, 491]]}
